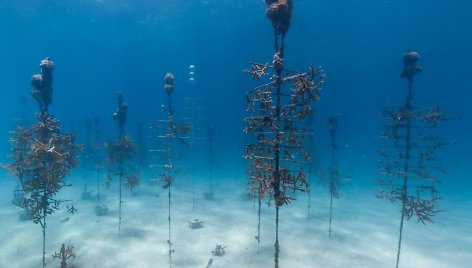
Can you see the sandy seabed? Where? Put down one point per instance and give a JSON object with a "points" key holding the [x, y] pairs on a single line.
{"points": [[365, 231]]}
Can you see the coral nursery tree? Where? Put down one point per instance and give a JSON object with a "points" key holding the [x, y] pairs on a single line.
{"points": [[120, 155], [42, 155], [409, 167], [97, 153], [278, 109], [334, 182], [173, 131]]}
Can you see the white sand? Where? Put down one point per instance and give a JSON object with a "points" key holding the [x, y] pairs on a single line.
{"points": [[364, 235]]}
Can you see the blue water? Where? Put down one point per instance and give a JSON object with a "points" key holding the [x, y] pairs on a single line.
{"points": [[102, 47]]}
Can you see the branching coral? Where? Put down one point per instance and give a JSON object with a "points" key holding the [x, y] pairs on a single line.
{"points": [[219, 251], [43, 157], [64, 255]]}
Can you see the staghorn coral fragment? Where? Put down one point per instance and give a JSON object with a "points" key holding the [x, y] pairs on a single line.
{"points": [[219, 251]]}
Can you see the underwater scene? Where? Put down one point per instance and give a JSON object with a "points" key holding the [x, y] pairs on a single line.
{"points": [[222, 133]]}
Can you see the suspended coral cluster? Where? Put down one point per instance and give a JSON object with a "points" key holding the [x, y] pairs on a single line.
{"points": [[121, 153], [42, 157], [279, 130]]}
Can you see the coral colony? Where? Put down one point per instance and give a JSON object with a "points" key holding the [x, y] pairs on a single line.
{"points": [[174, 131], [219, 251], [64, 255], [409, 167], [42, 155], [277, 117], [120, 155]]}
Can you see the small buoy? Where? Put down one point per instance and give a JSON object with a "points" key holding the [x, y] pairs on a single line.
{"points": [[191, 74]]}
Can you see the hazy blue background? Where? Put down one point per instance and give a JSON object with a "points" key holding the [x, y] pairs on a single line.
{"points": [[100, 47]]}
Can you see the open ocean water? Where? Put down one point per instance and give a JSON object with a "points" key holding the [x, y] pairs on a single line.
{"points": [[100, 48]]}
